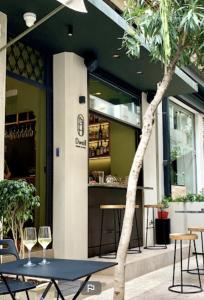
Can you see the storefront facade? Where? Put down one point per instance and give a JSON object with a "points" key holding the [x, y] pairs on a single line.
{"points": [[64, 166]]}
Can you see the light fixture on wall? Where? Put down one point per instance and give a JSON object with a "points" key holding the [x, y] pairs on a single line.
{"points": [[29, 18], [70, 30], [77, 5]]}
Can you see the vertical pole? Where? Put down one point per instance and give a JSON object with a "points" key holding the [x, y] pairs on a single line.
{"points": [[3, 41]]}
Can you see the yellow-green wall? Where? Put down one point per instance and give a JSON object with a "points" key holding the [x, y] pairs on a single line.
{"points": [[30, 98], [122, 146]]}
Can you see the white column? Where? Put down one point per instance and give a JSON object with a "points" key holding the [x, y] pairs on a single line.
{"points": [[153, 164], [3, 39], [70, 208], [160, 157]]}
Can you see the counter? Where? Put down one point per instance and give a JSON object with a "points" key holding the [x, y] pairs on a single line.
{"points": [[99, 194]]}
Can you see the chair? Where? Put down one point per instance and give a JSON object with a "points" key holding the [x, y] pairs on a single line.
{"points": [[14, 285]]}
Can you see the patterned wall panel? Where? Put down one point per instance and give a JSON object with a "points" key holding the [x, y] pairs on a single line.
{"points": [[26, 62]]}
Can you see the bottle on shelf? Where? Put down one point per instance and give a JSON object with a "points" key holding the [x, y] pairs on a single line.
{"points": [[98, 149], [100, 133], [101, 149]]}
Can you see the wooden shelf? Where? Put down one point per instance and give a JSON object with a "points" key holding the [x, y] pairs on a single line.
{"points": [[99, 157], [98, 124], [99, 140]]}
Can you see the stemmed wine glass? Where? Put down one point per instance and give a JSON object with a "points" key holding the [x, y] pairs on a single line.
{"points": [[29, 240], [44, 239]]}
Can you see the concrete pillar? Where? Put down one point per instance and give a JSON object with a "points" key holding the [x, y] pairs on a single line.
{"points": [[70, 208], [3, 40], [153, 164]]}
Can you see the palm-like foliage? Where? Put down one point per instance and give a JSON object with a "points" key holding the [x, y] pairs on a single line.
{"points": [[168, 26]]}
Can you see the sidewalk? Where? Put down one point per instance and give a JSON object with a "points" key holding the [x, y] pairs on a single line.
{"points": [[154, 286]]}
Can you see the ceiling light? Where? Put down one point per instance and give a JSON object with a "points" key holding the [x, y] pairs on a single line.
{"points": [[70, 30], [77, 5], [139, 72], [29, 18], [116, 55]]}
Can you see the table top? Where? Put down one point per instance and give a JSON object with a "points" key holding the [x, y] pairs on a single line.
{"points": [[58, 269]]}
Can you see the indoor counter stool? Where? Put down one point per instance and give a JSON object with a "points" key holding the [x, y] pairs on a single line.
{"points": [[152, 227], [181, 287], [198, 229], [117, 210]]}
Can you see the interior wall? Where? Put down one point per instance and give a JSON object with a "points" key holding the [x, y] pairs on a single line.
{"points": [[122, 148], [31, 98]]}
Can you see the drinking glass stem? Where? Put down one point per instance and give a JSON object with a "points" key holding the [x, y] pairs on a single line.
{"points": [[29, 260], [44, 259]]}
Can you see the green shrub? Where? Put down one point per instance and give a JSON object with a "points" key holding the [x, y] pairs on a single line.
{"points": [[17, 202]]}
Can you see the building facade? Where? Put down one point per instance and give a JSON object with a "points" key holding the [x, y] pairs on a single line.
{"points": [[57, 87]]}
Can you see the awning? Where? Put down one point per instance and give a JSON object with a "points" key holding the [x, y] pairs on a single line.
{"points": [[96, 34]]}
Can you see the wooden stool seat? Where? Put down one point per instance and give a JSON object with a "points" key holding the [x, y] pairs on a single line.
{"points": [[181, 287], [196, 229], [117, 211], [115, 206], [154, 205], [183, 237]]}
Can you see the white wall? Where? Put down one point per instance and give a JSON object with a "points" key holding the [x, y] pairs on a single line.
{"points": [[153, 163], [70, 208], [3, 39]]}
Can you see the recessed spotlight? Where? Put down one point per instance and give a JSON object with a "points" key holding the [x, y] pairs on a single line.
{"points": [[116, 55], [139, 72], [98, 93], [70, 30]]}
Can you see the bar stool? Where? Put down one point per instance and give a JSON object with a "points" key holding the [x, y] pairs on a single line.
{"points": [[117, 218], [137, 237], [182, 288], [154, 246], [116, 210], [197, 230]]}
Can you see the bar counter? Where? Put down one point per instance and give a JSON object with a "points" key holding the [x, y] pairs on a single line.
{"points": [[107, 193]]}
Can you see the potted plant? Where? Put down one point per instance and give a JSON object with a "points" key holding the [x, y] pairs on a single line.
{"points": [[163, 212], [17, 202]]}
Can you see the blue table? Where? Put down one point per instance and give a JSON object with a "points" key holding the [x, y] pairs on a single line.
{"points": [[58, 269]]}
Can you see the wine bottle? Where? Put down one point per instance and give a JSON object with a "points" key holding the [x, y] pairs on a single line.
{"points": [[98, 149], [100, 133], [101, 149]]}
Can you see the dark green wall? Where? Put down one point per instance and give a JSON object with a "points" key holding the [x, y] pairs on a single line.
{"points": [[30, 98], [122, 148]]}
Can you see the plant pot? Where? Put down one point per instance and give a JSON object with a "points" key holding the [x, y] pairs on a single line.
{"points": [[162, 214]]}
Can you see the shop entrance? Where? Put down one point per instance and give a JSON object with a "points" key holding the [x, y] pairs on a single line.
{"points": [[25, 138]]}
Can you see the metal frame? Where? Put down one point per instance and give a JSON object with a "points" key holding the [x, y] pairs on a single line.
{"points": [[166, 148]]}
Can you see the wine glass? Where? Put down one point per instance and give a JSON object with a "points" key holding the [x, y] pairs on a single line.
{"points": [[29, 240], [44, 239]]}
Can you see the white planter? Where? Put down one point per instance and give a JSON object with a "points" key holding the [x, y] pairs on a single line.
{"points": [[180, 221]]}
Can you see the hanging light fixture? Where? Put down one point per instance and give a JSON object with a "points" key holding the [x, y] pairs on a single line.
{"points": [[77, 5]]}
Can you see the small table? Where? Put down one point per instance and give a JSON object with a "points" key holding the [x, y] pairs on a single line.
{"points": [[58, 269]]}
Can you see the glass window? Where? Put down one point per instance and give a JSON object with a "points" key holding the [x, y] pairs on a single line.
{"points": [[182, 147]]}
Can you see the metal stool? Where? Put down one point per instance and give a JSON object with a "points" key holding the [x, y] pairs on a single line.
{"points": [[182, 288], [154, 246], [201, 270], [117, 215], [130, 250], [116, 209]]}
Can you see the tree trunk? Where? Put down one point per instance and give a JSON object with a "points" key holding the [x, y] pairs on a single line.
{"points": [[119, 280]]}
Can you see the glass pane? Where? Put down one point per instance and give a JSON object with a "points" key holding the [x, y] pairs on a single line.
{"points": [[182, 147]]}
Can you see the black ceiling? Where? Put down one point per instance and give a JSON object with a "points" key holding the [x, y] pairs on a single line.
{"points": [[94, 34]]}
